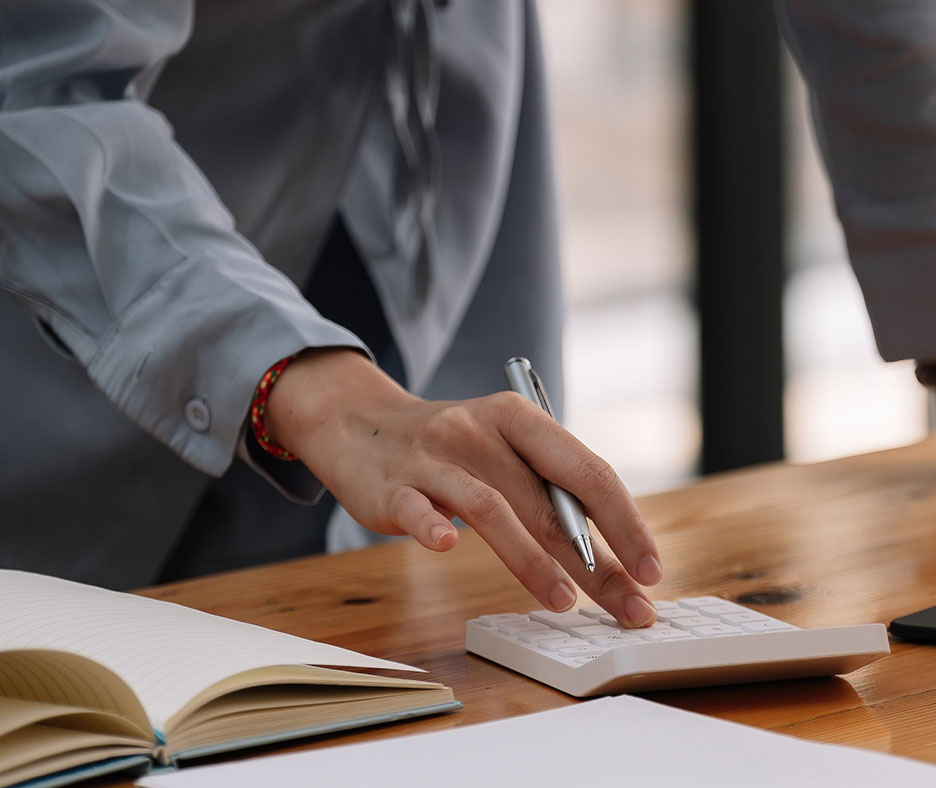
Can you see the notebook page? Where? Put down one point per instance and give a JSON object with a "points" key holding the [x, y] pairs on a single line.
{"points": [[611, 741], [165, 652]]}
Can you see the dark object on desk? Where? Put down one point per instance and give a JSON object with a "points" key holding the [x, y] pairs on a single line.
{"points": [[919, 626]]}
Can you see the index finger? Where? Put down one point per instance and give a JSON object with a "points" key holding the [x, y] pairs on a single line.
{"points": [[557, 456]]}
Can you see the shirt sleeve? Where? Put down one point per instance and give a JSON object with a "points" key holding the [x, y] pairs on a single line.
{"points": [[115, 241], [870, 66]]}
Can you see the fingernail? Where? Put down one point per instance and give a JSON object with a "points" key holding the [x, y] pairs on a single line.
{"points": [[649, 571], [639, 610], [562, 597], [438, 533]]}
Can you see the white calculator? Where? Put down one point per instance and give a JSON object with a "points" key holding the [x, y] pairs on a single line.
{"points": [[694, 642]]}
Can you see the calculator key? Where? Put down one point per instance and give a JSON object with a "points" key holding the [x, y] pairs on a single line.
{"points": [[740, 618], [696, 602], [501, 618], [563, 621], [516, 627], [593, 611], [535, 636], [610, 621], [655, 626], [582, 651], [771, 625], [720, 610], [593, 629], [617, 639], [557, 644], [671, 614], [663, 605], [691, 622], [713, 630], [664, 634]]}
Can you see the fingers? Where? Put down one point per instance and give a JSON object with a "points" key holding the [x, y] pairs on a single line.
{"points": [[402, 464], [487, 512], [612, 587], [411, 512], [557, 456], [609, 585]]}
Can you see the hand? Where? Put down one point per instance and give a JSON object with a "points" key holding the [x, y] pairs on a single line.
{"points": [[401, 464]]}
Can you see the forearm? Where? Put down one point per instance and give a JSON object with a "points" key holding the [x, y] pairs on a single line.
{"points": [[115, 240]]}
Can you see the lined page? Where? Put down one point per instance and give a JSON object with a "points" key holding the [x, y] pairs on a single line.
{"points": [[165, 652]]}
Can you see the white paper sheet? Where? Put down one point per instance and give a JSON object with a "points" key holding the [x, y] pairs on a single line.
{"points": [[165, 652], [623, 741]]}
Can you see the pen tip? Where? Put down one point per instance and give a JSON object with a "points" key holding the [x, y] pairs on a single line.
{"points": [[583, 546]]}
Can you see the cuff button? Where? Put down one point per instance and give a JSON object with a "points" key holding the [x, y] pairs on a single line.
{"points": [[197, 414]]}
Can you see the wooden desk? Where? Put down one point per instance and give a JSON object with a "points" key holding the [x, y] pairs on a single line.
{"points": [[843, 542]]}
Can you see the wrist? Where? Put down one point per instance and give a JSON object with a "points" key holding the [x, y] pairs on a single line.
{"points": [[321, 395], [258, 410]]}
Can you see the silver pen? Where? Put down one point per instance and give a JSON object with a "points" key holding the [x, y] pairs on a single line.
{"points": [[524, 380]]}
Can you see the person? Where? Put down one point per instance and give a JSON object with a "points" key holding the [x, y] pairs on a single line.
{"points": [[244, 210], [871, 73]]}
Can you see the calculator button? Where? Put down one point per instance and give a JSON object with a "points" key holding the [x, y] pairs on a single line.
{"points": [[671, 614], [535, 636], [617, 639], [696, 602], [691, 622], [563, 621], [771, 625], [610, 621], [501, 618], [582, 651], [740, 618], [664, 634], [662, 605], [516, 627], [720, 610], [593, 629], [593, 611], [713, 630], [557, 644]]}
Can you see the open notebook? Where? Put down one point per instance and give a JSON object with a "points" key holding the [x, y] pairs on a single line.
{"points": [[95, 681]]}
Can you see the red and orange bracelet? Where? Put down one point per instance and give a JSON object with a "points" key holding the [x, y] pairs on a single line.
{"points": [[258, 406]]}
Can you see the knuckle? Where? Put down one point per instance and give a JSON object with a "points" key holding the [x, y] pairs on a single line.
{"points": [[538, 567], [549, 526], [449, 423], [597, 477], [507, 403], [610, 583], [511, 408], [395, 503], [484, 505], [425, 520]]}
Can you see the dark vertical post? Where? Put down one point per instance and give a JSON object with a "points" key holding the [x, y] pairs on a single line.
{"points": [[737, 146]]}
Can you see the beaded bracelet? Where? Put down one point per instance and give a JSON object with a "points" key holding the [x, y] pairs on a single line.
{"points": [[261, 394]]}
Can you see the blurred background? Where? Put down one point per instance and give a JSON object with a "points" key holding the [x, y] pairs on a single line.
{"points": [[625, 80]]}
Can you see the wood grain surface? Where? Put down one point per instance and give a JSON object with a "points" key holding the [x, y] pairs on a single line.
{"points": [[844, 542]]}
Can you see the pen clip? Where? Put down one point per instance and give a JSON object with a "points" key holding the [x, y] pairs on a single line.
{"points": [[541, 392]]}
